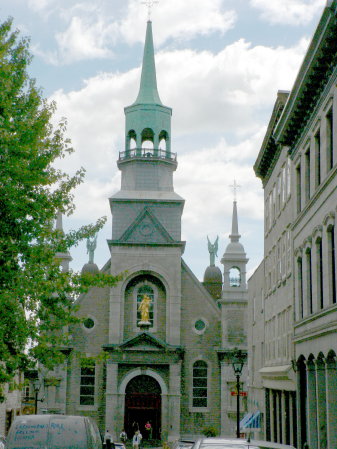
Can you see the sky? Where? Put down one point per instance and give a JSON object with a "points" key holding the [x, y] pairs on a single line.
{"points": [[219, 66]]}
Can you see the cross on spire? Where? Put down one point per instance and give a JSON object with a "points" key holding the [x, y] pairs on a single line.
{"points": [[235, 187], [149, 4]]}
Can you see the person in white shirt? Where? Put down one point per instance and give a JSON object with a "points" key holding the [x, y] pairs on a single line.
{"points": [[108, 440], [136, 440]]}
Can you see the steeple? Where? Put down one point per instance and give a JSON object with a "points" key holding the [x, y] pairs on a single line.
{"points": [[148, 91], [235, 236], [234, 258], [147, 119]]}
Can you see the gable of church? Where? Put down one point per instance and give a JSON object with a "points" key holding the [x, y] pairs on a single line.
{"points": [[146, 229]]}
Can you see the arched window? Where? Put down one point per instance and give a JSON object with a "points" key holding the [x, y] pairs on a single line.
{"points": [[199, 389], [234, 277], [141, 292]]}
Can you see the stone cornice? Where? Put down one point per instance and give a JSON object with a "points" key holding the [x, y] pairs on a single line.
{"points": [[318, 65]]}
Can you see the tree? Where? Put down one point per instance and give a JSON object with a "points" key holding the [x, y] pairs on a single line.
{"points": [[36, 296]]}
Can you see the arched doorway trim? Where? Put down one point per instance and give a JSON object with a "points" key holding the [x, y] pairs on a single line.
{"points": [[146, 372]]}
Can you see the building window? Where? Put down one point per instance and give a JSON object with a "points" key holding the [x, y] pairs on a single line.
{"points": [[200, 371], [329, 140], [87, 385], [319, 265], [300, 286], [288, 177], [145, 290], [309, 280], [332, 262], [298, 188], [307, 175], [317, 140]]}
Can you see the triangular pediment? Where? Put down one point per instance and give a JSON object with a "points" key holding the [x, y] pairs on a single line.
{"points": [[146, 228], [144, 342]]}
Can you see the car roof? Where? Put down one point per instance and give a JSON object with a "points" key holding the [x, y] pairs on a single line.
{"points": [[240, 441]]}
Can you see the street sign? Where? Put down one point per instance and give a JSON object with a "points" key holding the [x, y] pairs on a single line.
{"points": [[242, 393]]}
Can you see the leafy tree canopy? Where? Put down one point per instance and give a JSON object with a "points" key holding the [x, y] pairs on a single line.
{"points": [[36, 296]]}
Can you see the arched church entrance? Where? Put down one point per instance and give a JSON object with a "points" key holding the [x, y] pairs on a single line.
{"points": [[143, 404]]}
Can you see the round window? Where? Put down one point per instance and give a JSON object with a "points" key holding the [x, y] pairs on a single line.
{"points": [[89, 323], [200, 325]]}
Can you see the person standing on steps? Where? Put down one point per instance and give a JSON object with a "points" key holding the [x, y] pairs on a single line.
{"points": [[136, 440]]}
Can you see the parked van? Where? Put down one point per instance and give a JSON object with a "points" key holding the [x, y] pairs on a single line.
{"points": [[53, 432]]}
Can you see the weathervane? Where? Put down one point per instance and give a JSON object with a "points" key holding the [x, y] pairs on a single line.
{"points": [[235, 188], [149, 4]]}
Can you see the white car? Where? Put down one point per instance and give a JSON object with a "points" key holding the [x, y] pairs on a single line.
{"points": [[236, 443]]}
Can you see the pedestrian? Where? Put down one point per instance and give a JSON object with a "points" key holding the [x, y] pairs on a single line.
{"points": [[136, 440], [123, 436], [135, 427], [148, 429], [108, 441]]}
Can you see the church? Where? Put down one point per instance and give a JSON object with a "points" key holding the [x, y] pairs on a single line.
{"points": [[157, 347]]}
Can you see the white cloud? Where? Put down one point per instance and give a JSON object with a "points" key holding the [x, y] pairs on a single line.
{"points": [[212, 96], [291, 12], [178, 20], [226, 90], [85, 39], [92, 29]]}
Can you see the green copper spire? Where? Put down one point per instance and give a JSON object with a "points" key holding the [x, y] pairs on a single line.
{"points": [[148, 92]]}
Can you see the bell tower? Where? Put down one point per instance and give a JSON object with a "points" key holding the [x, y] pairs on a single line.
{"points": [[146, 229]]}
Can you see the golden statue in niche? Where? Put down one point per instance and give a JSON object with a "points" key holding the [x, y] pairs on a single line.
{"points": [[144, 309]]}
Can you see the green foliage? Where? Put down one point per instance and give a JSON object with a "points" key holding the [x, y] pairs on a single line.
{"points": [[209, 432], [36, 296]]}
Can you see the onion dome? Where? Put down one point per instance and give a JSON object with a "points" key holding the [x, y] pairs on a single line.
{"points": [[90, 267], [213, 275]]}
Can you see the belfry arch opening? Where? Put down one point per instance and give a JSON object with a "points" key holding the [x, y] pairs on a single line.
{"points": [[163, 141], [234, 277], [148, 140], [142, 405], [131, 140]]}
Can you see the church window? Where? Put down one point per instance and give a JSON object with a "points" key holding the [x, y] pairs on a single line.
{"points": [[141, 292], [200, 371], [87, 385], [200, 325], [88, 323]]}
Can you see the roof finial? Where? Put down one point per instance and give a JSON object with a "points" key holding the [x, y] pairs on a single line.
{"points": [[235, 187], [149, 4]]}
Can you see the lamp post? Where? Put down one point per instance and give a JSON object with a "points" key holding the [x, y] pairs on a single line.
{"points": [[37, 386], [237, 363]]}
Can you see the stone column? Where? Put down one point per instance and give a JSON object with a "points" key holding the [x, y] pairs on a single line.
{"points": [[312, 409], [174, 401], [321, 403], [111, 399], [331, 401]]}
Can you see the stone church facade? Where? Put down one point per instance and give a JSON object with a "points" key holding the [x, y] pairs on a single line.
{"points": [[176, 371]]}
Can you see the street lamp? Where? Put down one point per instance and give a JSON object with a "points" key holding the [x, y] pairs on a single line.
{"points": [[237, 363], [37, 386]]}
